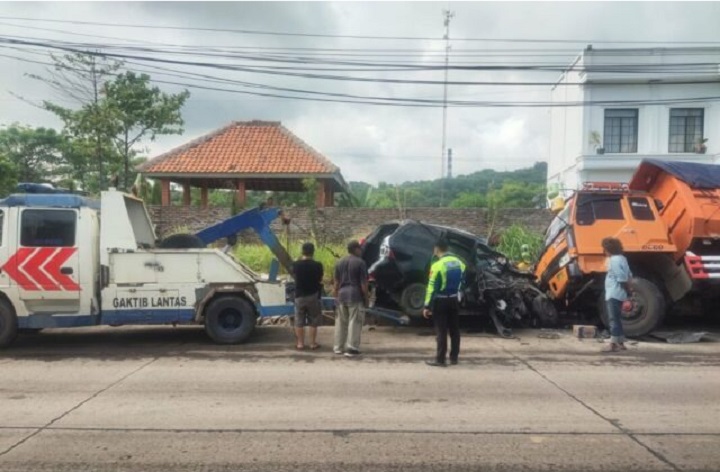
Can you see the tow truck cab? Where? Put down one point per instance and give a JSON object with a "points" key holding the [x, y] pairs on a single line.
{"points": [[68, 261]]}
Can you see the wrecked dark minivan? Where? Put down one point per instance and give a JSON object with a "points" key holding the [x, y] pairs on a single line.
{"points": [[399, 254]]}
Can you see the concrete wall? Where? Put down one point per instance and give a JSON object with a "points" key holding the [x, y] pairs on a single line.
{"points": [[340, 224]]}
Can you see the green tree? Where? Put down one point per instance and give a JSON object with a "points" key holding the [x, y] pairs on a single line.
{"points": [[8, 181], [80, 77], [37, 154], [469, 200], [517, 195], [139, 110]]}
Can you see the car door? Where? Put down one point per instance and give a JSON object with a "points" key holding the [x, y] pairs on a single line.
{"points": [[46, 264]]}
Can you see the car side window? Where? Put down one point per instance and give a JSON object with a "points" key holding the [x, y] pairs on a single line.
{"points": [[48, 228]]}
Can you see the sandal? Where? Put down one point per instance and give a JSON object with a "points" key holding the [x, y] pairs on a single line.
{"points": [[299, 348], [314, 347], [612, 348]]}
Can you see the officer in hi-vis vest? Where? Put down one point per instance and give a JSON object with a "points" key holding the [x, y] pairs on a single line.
{"points": [[441, 302]]}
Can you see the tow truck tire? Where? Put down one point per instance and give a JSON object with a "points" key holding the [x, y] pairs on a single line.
{"points": [[412, 299], [229, 320], [649, 309], [182, 241], [8, 324]]}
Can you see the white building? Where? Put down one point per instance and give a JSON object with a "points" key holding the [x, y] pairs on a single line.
{"points": [[617, 85]]}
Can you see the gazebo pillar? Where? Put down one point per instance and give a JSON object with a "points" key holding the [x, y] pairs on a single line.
{"points": [[186, 194], [325, 196], [240, 193], [165, 192], [204, 195]]}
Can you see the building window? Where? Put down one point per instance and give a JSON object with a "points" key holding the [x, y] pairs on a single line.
{"points": [[621, 130], [686, 128]]}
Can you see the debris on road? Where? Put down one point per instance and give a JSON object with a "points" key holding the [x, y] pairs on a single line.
{"points": [[682, 337], [584, 331]]}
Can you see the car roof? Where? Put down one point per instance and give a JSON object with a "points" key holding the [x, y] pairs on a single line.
{"points": [[450, 229]]}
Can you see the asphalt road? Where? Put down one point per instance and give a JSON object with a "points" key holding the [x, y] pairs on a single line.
{"points": [[157, 399]]}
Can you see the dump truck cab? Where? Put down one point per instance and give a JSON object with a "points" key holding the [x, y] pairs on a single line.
{"points": [[572, 265]]}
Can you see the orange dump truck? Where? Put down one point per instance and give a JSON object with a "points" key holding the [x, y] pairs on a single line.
{"points": [[668, 219]]}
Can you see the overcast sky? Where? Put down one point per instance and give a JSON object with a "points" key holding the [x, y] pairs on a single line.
{"points": [[370, 143]]}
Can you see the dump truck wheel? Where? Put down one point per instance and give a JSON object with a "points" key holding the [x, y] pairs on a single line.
{"points": [[229, 320], [648, 313], [8, 324], [412, 299], [546, 311], [182, 241]]}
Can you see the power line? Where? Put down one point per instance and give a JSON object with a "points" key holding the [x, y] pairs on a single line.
{"points": [[342, 36]]}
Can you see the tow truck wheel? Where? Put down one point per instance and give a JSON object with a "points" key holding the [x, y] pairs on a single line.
{"points": [[412, 299], [229, 320], [8, 324], [648, 312]]}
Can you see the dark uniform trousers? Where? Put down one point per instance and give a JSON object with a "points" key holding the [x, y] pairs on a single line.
{"points": [[447, 319]]}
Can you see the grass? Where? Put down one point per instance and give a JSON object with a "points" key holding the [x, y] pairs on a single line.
{"points": [[258, 256]]}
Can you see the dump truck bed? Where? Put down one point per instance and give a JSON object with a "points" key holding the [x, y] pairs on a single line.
{"points": [[688, 196]]}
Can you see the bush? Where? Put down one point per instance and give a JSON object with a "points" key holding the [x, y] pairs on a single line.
{"points": [[514, 238], [258, 256]]}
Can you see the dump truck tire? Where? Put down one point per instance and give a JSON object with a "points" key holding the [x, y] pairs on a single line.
{"points": [[412, 299], [545, 311], [8, 324], [649, 309], [182, 241], [230, 320]]}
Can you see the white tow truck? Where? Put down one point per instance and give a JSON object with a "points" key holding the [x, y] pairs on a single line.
{"points": [[68, 261]]}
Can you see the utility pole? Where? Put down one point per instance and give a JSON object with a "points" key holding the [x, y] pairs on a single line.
{"points": [[449, 167], [447, 15]]}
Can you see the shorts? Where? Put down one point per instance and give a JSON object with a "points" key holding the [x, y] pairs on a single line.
{"points": [[308, 311]]}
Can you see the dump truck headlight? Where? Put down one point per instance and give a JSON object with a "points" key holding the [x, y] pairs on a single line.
{"points": [[565, 260]]}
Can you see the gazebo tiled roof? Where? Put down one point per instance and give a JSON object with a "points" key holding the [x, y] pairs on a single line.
{"points": [[245, 155], [250, 149]]}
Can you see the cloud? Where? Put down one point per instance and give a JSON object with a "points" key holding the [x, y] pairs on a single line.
{"points": [[371, 143]]}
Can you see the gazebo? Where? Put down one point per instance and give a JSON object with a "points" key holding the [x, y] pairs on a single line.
{"points": [[249, 155]]}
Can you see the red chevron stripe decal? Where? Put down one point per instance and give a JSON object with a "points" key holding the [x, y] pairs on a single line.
{"points": [[52, 267], [38, 268], [33, 268], [12, 268]]}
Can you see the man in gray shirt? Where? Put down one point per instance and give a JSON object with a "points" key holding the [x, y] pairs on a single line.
{"points": [[351, 294]]}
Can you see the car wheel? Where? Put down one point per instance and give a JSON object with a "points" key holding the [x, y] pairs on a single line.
{"points": [[648, 311], [8, 324], [412, 299], [230, 320]]}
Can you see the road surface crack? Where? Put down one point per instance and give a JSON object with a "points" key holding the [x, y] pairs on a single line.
{"points": [[79, 405], [658, 455]]}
